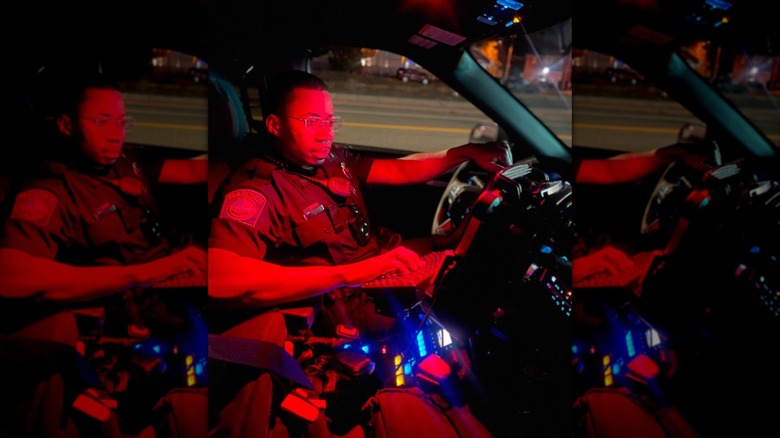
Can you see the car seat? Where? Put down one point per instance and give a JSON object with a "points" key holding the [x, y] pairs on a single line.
{"points": [[20, 124], [227, 119], [227, 129]]}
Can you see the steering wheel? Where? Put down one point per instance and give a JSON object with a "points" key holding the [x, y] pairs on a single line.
{"points": [[667, 198], [456, 204]]}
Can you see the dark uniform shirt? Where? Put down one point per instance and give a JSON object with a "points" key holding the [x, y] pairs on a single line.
{"points": [[273, 210], [86, 216]]}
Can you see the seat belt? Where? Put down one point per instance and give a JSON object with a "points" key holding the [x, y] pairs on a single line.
{"points": [[258, 354]]}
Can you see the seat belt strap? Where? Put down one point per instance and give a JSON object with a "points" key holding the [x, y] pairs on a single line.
{"points": [[258, 354]]}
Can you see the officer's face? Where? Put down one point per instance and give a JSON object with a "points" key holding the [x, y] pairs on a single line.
{"points": [[299, 144], [99, 130]]}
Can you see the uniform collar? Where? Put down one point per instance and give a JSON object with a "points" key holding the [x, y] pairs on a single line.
{"points": [[58, 167], [282, 163]]}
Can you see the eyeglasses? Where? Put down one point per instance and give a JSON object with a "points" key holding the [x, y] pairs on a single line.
{"points": [[125, 123], [318, 122]]}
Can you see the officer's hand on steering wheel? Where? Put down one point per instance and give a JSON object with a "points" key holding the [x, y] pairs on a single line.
{"points": [[697, 157], [492, 157]]}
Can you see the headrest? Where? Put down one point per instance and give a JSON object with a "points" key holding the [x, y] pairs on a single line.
{"points": [[227, 120]]}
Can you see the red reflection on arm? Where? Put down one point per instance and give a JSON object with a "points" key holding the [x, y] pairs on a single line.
{"points": [[176, 171]]}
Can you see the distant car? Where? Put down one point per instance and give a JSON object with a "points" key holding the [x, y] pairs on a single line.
{"points": [[623, 75], [727, 84], [198, 74], [521, 85], [408, 74]]}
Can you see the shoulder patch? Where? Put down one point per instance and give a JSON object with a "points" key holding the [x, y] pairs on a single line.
{"points": [[243, 205], [34, 205]]}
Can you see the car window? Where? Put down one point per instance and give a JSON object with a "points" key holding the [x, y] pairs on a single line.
{"points": [[614, 102], [616, 109], [389, 101], [168, 100]]}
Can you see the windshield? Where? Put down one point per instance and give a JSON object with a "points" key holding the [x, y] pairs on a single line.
{"points": [[746, 76], [536, 69]]}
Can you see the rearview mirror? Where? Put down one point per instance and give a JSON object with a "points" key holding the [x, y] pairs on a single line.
{"points": [[486, 133], [692, 133]]}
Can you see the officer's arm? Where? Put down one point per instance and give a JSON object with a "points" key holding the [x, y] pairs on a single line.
{"points": [[633, 166], [180, 171], [248, 281], [24, 275], [425, 166], [620, 169]]}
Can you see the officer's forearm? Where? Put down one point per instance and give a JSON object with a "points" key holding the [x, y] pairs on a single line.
{"points": [[23, 275], [619, 169], [248, 281], [414, 169], [192, 171]]}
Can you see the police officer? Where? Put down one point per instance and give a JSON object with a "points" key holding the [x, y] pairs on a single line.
{"points": [[290, 224], [78, 230], [89, 220]]}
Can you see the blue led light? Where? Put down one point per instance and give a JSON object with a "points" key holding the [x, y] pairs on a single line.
{"points": [[407, 369], [421, 345], [156, 349], [545, 249], [198, 369], [499, 334], [365, 349], [630, 345], [487, 20], [510, 4], [719, 4]]}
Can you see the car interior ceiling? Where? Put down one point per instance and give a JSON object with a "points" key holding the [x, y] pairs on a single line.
{"points": [[383, 25]]}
